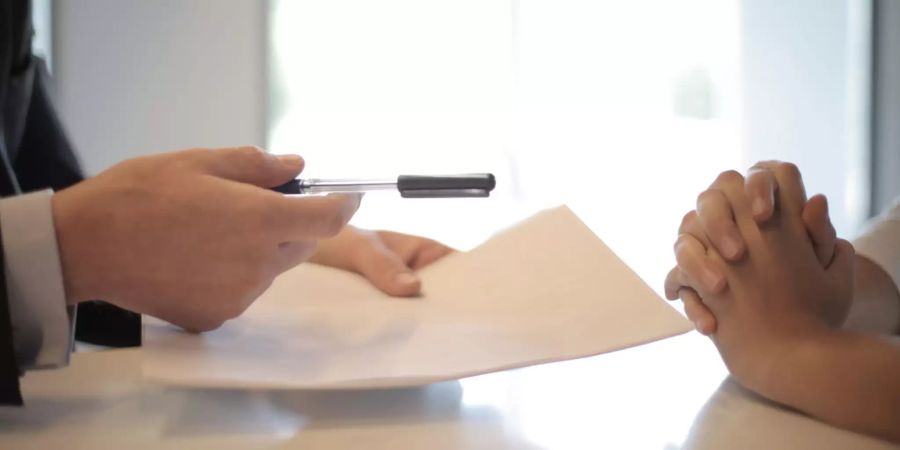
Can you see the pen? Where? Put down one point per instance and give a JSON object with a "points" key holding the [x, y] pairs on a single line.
{"points": [[410, 186]]}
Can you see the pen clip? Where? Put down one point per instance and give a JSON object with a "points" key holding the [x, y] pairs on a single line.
{"points": [[468, 185], [445, 193]]}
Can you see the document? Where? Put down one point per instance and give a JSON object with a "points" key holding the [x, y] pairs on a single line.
{"points": [[544, 290]]}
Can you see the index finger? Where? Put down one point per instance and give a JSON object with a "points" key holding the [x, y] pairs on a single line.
{"points": [[714, 213], [416, 251], [296, 218], [791, 194], [761, 187], [820, 229]]}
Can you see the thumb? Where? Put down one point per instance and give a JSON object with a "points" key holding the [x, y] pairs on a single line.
{"points": [[819, 227], [252, 165], [387, 271], [842, 272], [843, 265]]}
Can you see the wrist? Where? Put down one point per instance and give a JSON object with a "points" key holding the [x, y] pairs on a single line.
{"points": [[73, 264], [794, 363]]}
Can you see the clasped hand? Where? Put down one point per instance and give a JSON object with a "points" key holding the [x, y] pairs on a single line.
{"points": [[759, 267]]}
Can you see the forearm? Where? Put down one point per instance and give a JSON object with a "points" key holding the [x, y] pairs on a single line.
{"points": [[844, 378], [876, 301]]}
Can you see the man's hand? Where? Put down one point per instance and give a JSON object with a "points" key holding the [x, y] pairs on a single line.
{"points": [[387, 259], [191, 237], [712, 226]]}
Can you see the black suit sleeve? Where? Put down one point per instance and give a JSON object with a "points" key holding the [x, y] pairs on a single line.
{"points": [[44, 157], [9, 371], [11, 48], [35, 154]]}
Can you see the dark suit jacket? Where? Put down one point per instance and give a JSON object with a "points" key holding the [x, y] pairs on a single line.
{"points": [[34, 155]]}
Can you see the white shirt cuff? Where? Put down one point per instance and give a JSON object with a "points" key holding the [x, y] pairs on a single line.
{"points": [[42, 328], [881, 242]]}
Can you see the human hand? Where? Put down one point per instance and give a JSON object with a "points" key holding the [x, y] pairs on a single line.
{"points": [[191, 237], [712, 225], [387, 259], [779, 296]]}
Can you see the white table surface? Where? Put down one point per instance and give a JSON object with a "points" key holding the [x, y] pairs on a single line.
{"points": [[666, 395]]}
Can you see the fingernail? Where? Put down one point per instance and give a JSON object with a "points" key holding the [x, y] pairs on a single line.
{"points": [[759, 207], [406, 278], [731, 247], [355, 198], [712, 280], [359, 198], [291, 160]]}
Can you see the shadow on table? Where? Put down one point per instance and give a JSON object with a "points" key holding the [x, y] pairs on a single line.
{"points": [[203, 411], [44, 413], [737, 419], [430, 416]]}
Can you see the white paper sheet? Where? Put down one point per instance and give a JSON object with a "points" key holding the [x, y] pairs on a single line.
{"points": [[545, 290]]}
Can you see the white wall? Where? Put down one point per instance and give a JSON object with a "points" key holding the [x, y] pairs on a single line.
{"points": [[144, 76]]}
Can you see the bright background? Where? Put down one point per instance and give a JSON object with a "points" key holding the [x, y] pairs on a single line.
{"points": [[623, 110]]}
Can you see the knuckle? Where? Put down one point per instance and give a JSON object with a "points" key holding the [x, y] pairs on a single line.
{"points": [[680, 247], [789, 170], [687, 221], [758, 178], [704, 196], [200, 158], [193, 153], [847, 245], [765, 164], [769, 163], [672, 283], [707, 199], [688, 258], [200, 155], [253, 155], [672, 276], [707, 194], [729, 177]]}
